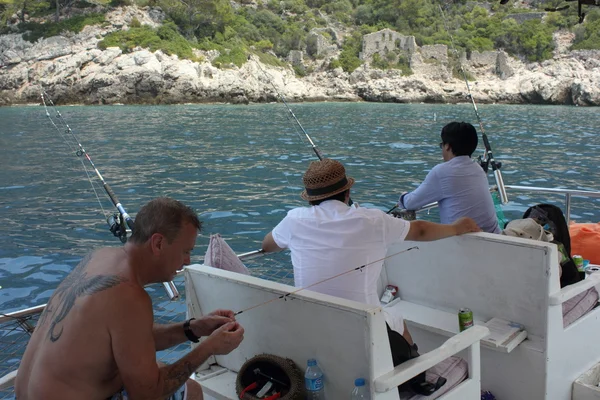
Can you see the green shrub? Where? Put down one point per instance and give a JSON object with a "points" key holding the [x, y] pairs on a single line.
{"points": [[75, 24], [143, 36], [334, 63], [165, 38], [392, 60], [120, 3], [587, 35], [236, 56], [300, 70], [264, 45], [379, 63], [270, 59], [403, 64], [135, 23], [350, 50]]}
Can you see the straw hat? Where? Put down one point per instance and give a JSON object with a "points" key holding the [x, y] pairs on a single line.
{"points": [[527, 228], [324, 179]]}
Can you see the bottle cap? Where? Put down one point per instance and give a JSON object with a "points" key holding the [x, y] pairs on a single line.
{"points": [[311, 362], [359, 382]]}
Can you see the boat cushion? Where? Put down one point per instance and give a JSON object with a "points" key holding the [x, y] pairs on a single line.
{"points": [[584, 241], [577, 306], [454, 369], [220, 255]]}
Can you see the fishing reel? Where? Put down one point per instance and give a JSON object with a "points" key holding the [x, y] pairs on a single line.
{"points": [[484, 163], [407, 215], [117, 226]]}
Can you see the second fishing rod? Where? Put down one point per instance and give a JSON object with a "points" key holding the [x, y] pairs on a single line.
{"points": [[118, 223], [488, 157], [293, 116]]}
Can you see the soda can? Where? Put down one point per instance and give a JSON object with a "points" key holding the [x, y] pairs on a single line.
{"points": [[465, 319], [578, 262]]}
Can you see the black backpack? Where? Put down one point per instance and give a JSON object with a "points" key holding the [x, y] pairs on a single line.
{"points": [[402, 352], [551, 215]]}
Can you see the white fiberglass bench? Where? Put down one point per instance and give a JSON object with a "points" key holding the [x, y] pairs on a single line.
{"points": [[348, 339], [509, 278]]}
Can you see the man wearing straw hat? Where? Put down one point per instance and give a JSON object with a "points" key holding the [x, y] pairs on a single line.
{"points": [[331, 237]]}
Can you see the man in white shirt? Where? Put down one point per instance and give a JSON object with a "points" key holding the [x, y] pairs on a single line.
{"points": [[331, 237]]}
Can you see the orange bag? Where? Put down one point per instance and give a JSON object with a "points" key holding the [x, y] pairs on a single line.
{"points": [[585, 241]]}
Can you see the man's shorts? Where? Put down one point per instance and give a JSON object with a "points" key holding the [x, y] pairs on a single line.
{"points": [[180, 394]]}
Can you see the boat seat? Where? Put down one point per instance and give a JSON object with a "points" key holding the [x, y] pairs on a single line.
{"points": [[511, 279], [348, 339]]}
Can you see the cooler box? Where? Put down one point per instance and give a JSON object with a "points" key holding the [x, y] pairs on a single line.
{"points": [[586, 386]]}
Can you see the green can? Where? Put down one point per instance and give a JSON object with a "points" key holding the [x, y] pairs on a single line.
{"points": [[465, 319], [578, 262]]}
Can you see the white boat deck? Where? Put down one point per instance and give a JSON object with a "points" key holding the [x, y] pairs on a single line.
{"points": [[348, 339], [496, 276]]}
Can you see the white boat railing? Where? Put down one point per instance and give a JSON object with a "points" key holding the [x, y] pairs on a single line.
{"points": [[21, 315], [568, 193]]}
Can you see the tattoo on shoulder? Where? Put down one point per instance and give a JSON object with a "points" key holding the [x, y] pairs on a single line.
{"points": [[75, 285]]}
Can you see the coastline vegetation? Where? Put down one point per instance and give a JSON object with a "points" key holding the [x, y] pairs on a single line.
{"points": [[272, 28]]}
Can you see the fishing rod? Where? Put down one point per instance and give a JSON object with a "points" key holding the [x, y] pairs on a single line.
{"points": [[312, 143], [121, 223], [487, 158], [285, 296]]}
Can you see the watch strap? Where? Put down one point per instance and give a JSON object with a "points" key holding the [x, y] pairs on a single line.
{"points": [[188, 331]]}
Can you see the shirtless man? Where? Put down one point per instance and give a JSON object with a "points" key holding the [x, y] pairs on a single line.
{"points": [[96, 338]]}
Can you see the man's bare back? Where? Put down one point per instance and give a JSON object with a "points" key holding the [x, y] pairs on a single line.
{"points": [[74, 329], [97, 335]]}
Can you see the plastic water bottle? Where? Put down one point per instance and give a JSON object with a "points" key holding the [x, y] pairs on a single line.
{"points": [[360, 391], [313, 380]]}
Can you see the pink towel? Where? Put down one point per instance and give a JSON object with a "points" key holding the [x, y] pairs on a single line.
{"points": [[220, 255], [578, 306], [454, 369]]}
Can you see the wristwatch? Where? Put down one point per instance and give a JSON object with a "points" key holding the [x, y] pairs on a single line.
{"points": [[188, 331]]}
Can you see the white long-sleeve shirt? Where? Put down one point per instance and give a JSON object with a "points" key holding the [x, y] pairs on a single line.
{"points": [[461, 189]]}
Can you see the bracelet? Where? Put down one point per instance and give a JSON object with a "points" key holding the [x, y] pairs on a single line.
{"points": [[401, 201], [188, 331]]}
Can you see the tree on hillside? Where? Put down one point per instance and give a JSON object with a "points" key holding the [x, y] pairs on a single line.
{"points": [[199, 18], [8, 8]]}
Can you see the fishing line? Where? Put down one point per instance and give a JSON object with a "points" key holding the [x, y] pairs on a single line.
{"points": [[285, 296], [118, 228], [78, 152], [488, 157], [22, 322], [292, 115]]}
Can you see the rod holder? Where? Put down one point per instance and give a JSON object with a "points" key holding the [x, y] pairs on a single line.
{"points": [[501, 188], [171, 290]]}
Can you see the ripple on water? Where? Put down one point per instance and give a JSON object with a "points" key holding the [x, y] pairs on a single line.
{"points": [[247, 174]]}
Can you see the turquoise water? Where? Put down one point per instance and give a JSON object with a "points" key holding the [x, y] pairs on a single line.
{"points": [[241, 168]]}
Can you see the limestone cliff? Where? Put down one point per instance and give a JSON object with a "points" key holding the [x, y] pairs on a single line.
{"points": [[72, 69]]}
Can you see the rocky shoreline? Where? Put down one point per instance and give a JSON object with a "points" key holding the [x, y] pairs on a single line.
{"points": [[73, 70]]}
